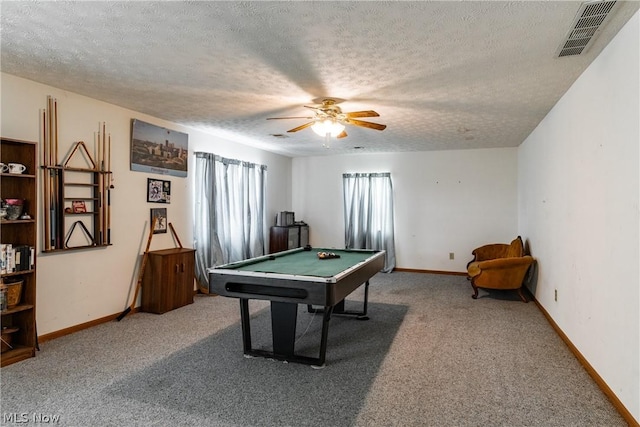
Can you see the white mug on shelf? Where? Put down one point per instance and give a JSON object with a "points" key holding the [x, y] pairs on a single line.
{"points": [[17, 168], [4, 168]]}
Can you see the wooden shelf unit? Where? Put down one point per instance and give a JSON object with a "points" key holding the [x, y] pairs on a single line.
{"points": [[20, 232]]}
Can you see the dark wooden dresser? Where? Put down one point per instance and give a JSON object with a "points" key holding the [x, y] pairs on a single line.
{"points": [[167, 283], [282, 238]]}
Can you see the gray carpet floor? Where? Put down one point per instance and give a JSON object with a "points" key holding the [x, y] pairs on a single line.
{"points": [[430, 355]]}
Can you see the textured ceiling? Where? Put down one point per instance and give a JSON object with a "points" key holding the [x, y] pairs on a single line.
{"points": [[442, 75]]}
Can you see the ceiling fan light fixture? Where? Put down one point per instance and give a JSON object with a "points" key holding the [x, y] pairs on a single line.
{"points": [[328, 127]]}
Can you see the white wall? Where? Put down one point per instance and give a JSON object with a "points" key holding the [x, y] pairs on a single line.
{"points": [[576, 202], [579, 207], [445, 201], [79, 286]]}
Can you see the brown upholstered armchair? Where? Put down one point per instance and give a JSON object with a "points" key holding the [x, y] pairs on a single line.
{"points": [[499, 266]]}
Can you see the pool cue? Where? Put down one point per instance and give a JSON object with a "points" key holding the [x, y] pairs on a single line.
{"points": [[54, 180], [45, 182], [109, 187], [52, 202], [97, 149], [100, 167], [52, 213], [173, 231], [104, 137], [140, 273], [49, 177], [100, 237], [58, 181], [55, 109], [98, 203], [103, 188]]}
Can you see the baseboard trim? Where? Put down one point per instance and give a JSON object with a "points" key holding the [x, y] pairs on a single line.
{"points": [[415, 270], [80, 327], [87, 325], [622, 410]]}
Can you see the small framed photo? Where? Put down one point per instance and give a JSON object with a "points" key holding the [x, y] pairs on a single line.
{"points": [[158, 191], [160, 214], [78, 206]]}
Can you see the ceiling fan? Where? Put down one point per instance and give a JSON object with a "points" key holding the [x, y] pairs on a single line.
{"points": [[330, 120]]}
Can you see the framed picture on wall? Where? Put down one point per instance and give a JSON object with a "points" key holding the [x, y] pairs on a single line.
{"points": [[158, 191], [160, 214], [155, 149]]}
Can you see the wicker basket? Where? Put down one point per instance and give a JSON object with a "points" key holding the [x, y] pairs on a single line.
{"points": [[7, 338], [14, 293]]}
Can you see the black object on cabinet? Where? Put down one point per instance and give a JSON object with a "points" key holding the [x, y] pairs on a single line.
{"points": [[290, 237]]}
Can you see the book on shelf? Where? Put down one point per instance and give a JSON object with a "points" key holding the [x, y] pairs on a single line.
{"points": [[3, 257], [15, 258]]}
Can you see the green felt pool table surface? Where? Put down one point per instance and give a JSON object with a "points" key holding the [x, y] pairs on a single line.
{"points": [[304, 263]]}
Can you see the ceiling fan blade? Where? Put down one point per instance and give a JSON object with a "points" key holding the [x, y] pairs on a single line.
{"points": [[304, 126], [342, 134], [369, 125], [282, 118], [368, 113]]}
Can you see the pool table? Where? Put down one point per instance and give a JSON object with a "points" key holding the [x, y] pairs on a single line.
{"points": [[289, 278]]}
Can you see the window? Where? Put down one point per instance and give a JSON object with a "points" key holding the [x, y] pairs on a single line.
{"points": [[368, 213], [229, 212]]}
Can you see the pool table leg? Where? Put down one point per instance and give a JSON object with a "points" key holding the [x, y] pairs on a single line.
{"points": [[363, 315], [323, 339], [284, 322], [246, 327], [339, 307], [283, 327]]}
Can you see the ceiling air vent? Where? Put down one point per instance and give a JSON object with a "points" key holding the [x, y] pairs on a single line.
{"points": [[585, 26]]}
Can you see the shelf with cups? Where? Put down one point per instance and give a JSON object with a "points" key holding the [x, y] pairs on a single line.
{"points": [[16, 175], [18, 229], [17, 221]]}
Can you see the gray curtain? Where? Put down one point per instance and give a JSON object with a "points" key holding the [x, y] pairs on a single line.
{"points": [[368, 214], [229, 223]]}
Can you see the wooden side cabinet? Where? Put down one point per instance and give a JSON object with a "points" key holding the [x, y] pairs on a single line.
{"points": [[282, 238], [167, 282], [17, 244]]}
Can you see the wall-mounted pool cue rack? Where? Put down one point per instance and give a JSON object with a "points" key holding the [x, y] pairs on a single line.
{"points": [[76, 198]]}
